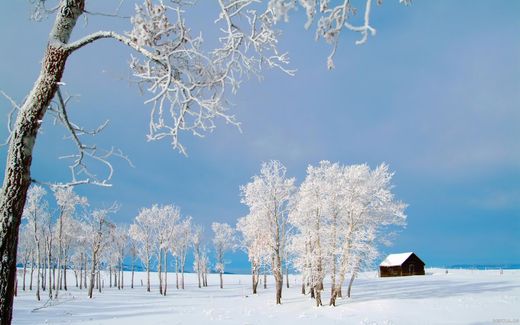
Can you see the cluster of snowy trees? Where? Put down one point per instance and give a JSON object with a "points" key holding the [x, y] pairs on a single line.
{"points": [[88, 243], [77, 238], [332, 225]]}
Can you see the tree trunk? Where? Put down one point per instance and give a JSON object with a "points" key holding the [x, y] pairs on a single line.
{"points": [[92, 276], [278, 277], [133, 269], [96, 280], [110, 276], [255, 278], [221, 281], [122, 277], [148, 275], [99, 278], [165, 272], [177, 273], [38, 271], [24, 272], [279, 286], [60, 254], [287, 275], [182, 276], [65, 273], [54, 277], [198, 271], [17, 177], [81, 271], [85, 272], [334, 295], [32, 272], [49, 284], [350, 283], [159, 272], [317, 292]]}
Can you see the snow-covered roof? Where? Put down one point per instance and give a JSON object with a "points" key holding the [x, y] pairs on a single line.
{"points": [[395, 259]]}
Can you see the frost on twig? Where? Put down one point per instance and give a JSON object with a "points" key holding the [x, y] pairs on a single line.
{"points": [[189, 85], [336, 16], [10, 117], [40, 9], [86, 154]]}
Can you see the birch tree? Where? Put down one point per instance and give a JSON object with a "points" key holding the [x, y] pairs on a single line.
{"points": [[183, 239], [164, 226], [342, 214], [142, 231], [197, 252], [223, 240], [97, 230], [26, 248], [67, 201], [36, 212], [187, 84], [254, 242], [269, 195], [310, 217]]}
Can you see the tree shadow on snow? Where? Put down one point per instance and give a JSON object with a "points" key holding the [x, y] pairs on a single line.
{"points": [[400, 288]]}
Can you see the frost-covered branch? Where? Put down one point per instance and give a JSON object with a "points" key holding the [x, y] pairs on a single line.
{"points": [[79, 166], [187, 84], [40, 10], [10, 117], [110, 34]]}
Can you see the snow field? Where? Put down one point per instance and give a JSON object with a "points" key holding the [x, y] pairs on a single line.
{"points": [[459, 297]]}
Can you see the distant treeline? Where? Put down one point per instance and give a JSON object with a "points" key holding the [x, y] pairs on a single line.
{"points": [[485, 266]]}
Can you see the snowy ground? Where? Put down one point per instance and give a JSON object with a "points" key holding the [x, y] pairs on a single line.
{"points": [[459, 297]]}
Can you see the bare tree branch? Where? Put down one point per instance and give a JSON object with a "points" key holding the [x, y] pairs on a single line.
{"points": [[10, 117], [79, 164]]}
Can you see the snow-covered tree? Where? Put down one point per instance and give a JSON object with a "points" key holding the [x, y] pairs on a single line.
{"points": [[118, 245], [183, 239], [341, 213], [314, 244], [166, 222], [133, 255], [204, 265], [142, 231], [254, 242], [99, 227], [198, 257], [268, 196], [26, 248], [36, 213], [67, 201], [187, 84], [163, 224], [223, 240], [372, 210]]}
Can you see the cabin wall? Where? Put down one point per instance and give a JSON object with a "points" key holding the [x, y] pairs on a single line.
{"points": [[413, 266], [388, 271]]}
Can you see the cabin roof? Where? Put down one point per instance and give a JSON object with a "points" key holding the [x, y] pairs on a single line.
{"points": [[396, 259]]}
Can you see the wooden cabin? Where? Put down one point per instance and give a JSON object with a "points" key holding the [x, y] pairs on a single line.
{"points": [[401, 265]]}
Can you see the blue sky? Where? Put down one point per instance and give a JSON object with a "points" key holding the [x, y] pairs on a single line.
{"points": [[435, 94]]}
